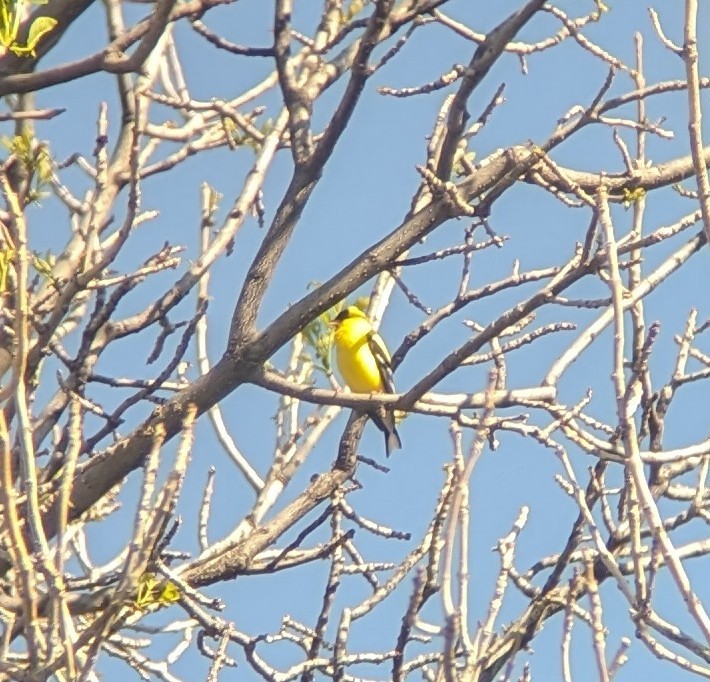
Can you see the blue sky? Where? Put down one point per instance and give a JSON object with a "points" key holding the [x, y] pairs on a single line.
{"points": [[365, 192]]}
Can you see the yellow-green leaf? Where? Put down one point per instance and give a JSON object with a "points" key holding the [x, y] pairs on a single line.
{"points": [[631, 196], [318, 336], [6, 256], [43, 163], [155, 592], [44, 265], [9, 23], [169, 594], [40, 27], [361, 302]]}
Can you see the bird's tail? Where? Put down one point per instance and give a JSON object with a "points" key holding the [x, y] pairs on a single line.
{"points": [[384, 420]]}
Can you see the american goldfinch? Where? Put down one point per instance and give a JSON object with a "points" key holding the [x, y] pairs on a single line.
{"points": [[364, 362]]}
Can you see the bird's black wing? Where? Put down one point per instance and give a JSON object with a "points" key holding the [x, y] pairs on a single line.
{"points": [[384, 418], [384, 362]]}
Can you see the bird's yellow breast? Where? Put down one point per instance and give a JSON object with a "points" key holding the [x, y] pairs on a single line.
{"points": [[356, 362]]}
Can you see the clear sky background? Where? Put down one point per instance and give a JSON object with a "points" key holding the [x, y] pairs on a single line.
{"points": [[364, 194]]}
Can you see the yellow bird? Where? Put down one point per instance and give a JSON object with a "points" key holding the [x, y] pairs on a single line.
{"points": [[365, 364]]}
